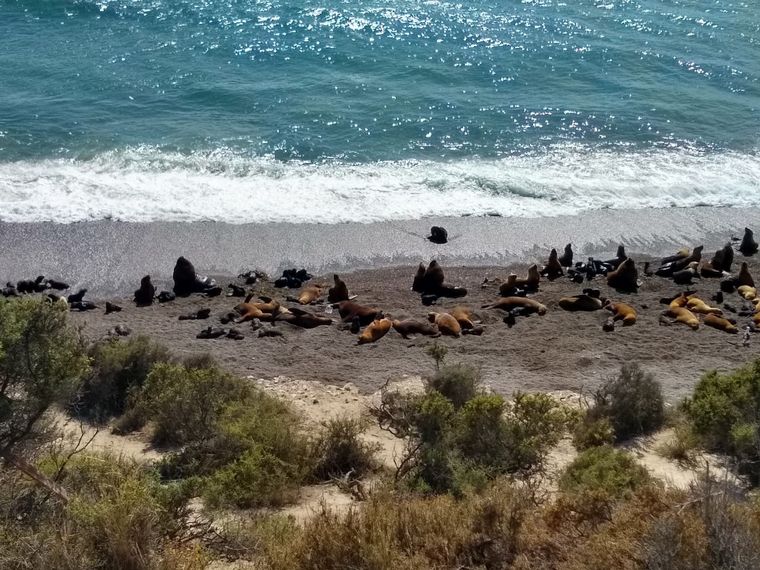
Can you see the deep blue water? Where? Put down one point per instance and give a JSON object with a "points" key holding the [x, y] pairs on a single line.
{"points": [[181, 109]]}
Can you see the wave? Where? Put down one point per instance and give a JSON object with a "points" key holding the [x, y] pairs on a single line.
{"points": [[146, 184]]}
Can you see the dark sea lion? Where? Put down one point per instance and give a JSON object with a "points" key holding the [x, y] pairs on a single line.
{"points": [[620, 257], [446, 324], [200, 314], [374, 331], [419, 279], [686, 275], [553, 269], [748, 246], [338, 292], [718, 297], [235, 290], [608, 325], [166, 297], [412, 327], [40, 284], [57, 285], [211, 332], [474, 331], [213, 291], [304, 319], [680, 254], [112, 308], [433, 278], [667, 269], [235, 334], [622, 312], [187, 281], [10, 290], [580, 303], [349, 309], [625, 278], [438, 235], [356, 325], [707, 270], [728, 285], [145, 294], [744, 277], [723, 258], [566, 259], [451, 291], [525, 303], [25, 286], [77, 297], [82, 306]]}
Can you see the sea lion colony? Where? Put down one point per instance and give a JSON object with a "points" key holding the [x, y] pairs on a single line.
{"points": [[518, 297]]}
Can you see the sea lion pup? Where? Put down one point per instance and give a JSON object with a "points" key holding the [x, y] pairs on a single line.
{"points": [[374, 331], [463, 315], [338, 292], [268, 310], [580, 303], [530, 283], [620, 257], [625, 278], [721, 324], [187, 281], [438, 235], [553, 269], [697, 305], [57, 285], [112, 308], [304, 319], [410, 326], [566, 259], [723, 258], [144, 295], [310, 294], [744, 277], [622, 312], [748, 246], [419, 278], [684, 316], [747, 292], [348, 310], [685, 276], [509, 303], [446, 323], [76, 297]]}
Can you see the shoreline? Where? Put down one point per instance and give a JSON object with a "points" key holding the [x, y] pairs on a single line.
{"points": [[109, 257]]}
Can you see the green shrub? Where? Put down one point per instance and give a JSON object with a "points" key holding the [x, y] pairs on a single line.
{"points": [[632, 401], [593, 432], [604, 469], [119, 370], [458, 383], [185, 403], [340, 450]]}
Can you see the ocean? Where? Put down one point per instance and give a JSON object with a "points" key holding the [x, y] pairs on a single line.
{"points": [[327, 111]]}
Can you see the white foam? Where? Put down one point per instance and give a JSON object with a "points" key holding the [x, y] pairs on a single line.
{"points": [[146, 184]]}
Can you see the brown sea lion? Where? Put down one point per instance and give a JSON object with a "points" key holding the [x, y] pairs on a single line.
{"points": [[625, 277], [580, 303], [509, 303], [566, 259], [310, 294], [447, 325], [530, 283], [744, 277], [622, 312], [411, 327], [463, 315], [553, 269], [720, 323], [349, 309], [304, 319], [338, 292], [748, 246], [374, 331], [697, 305], [683, 315]]}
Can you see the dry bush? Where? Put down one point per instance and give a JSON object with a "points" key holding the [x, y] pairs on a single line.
{"points": [[339, 450]]}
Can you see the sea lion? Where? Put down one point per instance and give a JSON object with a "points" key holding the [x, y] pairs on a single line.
{"points": [[723, 258], [463, 315], [356, 325], [697, 305], [509, 303], [235, 290], [622, 312], [10, 290], [684, 316], [680, 254], [744, 277], [747, 292], [269, 309], [451, 291], [212, 291], [235, 334], [211, 332], [608, 325], [438, 235], [77, 297], [553, 269], [374, 331], [720, 323], [349, 309], [338, 292], [166, 296], [112, 308], [144, 295], [57, 285], [411, 327], [310, 295], [446, 323], [530, 283], [625, 277], [748, 246], [667, 269], [620, 257], [187, 281], [270, 333], [708, 271], [198, 315], [580, 303], [566, 259], [82, 306], [685, 276], [433, 278], [418, 285], [679, 300], [304, 319]]}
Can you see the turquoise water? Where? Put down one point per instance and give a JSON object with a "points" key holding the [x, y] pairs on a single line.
{"points": [[332, 111]]}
